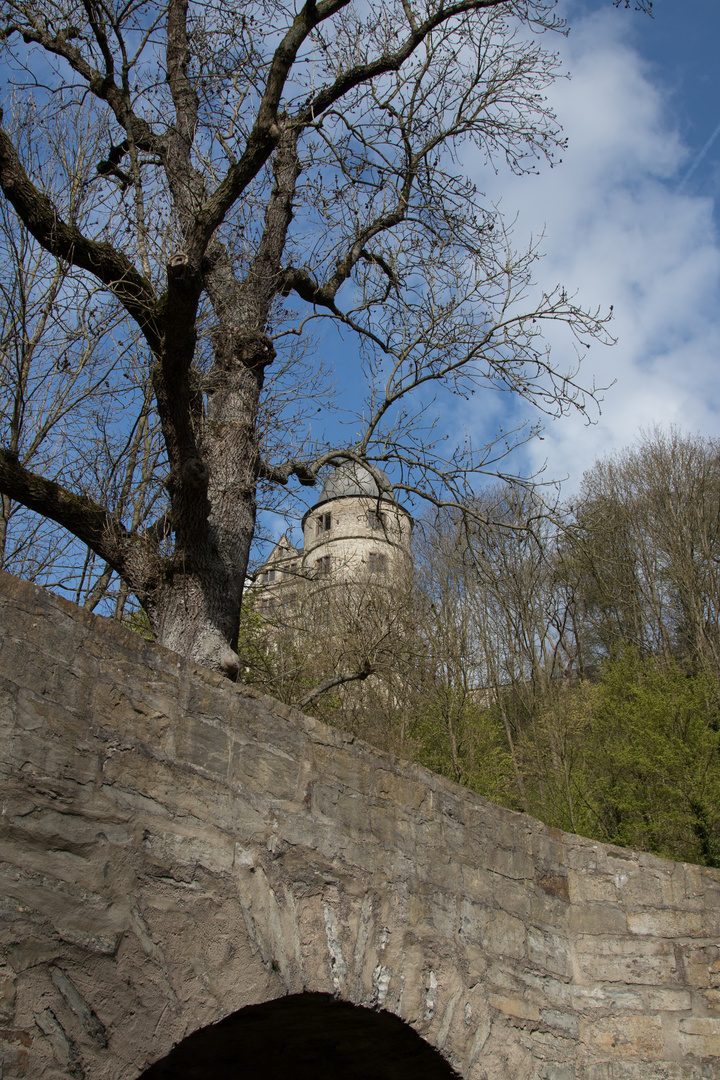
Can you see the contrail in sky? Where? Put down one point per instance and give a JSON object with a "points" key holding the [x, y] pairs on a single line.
{"points": [[699, 158]]}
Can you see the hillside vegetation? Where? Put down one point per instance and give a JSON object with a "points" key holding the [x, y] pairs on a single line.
{"points": [[564, 664]]}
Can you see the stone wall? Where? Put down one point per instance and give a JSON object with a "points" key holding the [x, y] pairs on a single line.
{"points": [[175, 848]]}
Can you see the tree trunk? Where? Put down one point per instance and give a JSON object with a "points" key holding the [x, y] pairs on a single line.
{"points": [[196, 607]]}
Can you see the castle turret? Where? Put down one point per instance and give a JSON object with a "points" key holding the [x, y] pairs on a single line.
{"points": [[354, 529]]}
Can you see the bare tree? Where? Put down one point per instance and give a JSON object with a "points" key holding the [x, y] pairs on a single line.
{"points": [[68, 371], [501, 625], [264, 170], [346, 648], [647, 549]]}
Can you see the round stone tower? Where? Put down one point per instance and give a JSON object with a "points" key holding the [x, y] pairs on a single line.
{"points": [[353, 530]]}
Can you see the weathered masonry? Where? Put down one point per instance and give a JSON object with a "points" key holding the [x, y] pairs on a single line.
{"points": [[176, 850]]}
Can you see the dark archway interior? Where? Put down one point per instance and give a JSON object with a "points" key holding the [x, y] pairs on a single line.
{"points": [[304, 1037]]}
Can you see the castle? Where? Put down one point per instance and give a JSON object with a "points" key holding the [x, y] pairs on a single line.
{"points": [[353, 533]]}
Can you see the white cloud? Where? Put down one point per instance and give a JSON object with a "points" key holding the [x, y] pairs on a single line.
{"points": [[618, 228]]}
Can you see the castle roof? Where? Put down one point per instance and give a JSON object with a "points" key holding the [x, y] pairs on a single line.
{"points": [[351, 478]]}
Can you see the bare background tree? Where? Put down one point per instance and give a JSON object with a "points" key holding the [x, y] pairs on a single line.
{"points": [[648, 553], [254, 174], [74, 400], [347, 649]]}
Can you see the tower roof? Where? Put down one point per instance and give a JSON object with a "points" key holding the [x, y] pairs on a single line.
{"points": [[351, 478]]}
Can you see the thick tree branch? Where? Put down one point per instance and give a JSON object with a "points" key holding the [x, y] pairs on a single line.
{"points": [[111, 267], [387, 62], [103, 86], [79, 514], [96, 19], [186, 183], [261, 283], [297, 279], [324, 295], [266, 132], [280, 474]]}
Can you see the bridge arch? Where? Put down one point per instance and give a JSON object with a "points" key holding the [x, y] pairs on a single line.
{"points": [[306, 1036], [174, 849]]}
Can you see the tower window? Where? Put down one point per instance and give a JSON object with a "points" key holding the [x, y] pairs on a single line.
{"points": [[377, 562], [324, 523], [376, 519], [322, 565]]}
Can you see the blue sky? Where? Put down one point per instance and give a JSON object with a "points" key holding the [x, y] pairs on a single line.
{"points": [[631, 219]]}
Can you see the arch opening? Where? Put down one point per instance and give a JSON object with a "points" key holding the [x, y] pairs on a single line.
{"points": [[304, 1037]]}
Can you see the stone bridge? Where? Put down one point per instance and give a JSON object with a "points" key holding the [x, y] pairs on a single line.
{"points": [[185, 862]]}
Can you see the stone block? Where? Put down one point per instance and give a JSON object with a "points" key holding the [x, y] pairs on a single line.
{"points": [[517, 899], [514, 1006], [592, 887], [701, 882], [608, 996], [554, 1070], [648, 1070], [702, 965], [711, 999], [170, 849], [700, 1036], [545, 989], [203, 744], [78, 829], [33, 951], [14, 1056], [495, 931], [565, 1022], [478, 883], [511, 862], [402, 790], [655, 998], [658, 879], [675, 924], [701, 1025], [631, 960], [260, 767], [7, 996], [92, 933], [621, 1036], [549, 951], [597, 919]]}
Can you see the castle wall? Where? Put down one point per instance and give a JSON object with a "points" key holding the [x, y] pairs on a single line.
{"points": [[352, 540]]}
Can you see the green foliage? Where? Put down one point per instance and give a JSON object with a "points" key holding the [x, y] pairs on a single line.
{"points": [[463, 741], [138, 622], [552, 750], [653, 765], [274, 657], [631, 758]]}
